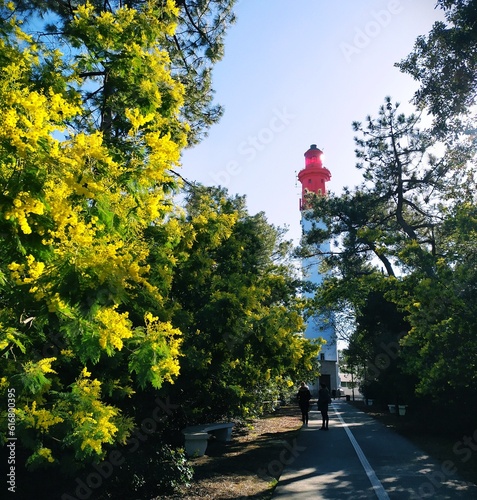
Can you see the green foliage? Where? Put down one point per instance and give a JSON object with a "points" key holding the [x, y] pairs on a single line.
{"points": [[79, 342], [239, 310], [103, 56], [154, 467], [445, 64], [403, 261], [376, 353], [391, 217], [109, 291], [441, 311]]}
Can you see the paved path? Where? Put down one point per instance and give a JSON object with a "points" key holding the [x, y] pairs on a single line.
{"points": [[359, 458]]}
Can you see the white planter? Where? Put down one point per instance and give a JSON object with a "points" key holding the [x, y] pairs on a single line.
{"points": [[402, 410], [392, 408], [196, 443], [370, 402]]}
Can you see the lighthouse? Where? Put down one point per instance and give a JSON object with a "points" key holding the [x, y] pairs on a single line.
{"points": [[313, 179], [314, 176]]}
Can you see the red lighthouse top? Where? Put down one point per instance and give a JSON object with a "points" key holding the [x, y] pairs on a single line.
{"points": [[314, 176]]}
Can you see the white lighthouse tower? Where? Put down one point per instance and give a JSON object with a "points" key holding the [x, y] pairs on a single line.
{"points": [[313, 179]]}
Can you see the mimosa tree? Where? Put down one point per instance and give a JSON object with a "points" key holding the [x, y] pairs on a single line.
{"points": [[76, 201]]}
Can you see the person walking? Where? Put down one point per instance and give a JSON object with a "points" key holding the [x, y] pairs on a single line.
{"points": [[324, 400], [304, 396]]}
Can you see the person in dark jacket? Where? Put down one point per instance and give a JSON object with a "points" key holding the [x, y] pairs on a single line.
{"points": [[304, 396], [324, 400]]}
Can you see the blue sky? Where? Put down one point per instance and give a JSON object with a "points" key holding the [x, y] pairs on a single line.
{"points": [[299, 73]]}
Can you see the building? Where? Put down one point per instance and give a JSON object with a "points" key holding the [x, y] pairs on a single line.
{"points": [[313, 179]]}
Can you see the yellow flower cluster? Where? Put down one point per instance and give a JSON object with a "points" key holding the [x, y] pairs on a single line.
{"points": [[92, 444], [4, 384], [74, 177], [46, 454], [92, 248], [43, 366], [107, 28], [159, 335], [7, 336], [91, 388], [38, 418], [30, 117], [135, 118], [114, 328], [94, 421], [26, 273], [23, 206], [55, 303]]}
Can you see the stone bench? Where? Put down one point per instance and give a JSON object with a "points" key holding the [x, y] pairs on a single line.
{"points": [[197, 436]]}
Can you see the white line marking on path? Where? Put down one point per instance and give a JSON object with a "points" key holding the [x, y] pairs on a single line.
{"points": [[375, 482]]}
